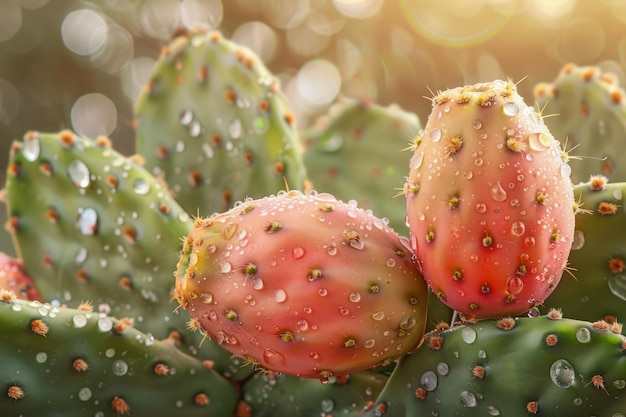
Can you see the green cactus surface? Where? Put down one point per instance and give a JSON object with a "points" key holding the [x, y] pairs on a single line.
{"points": [[58, 361], [589, 109], [91, 224], [355, 152], [545, 366], [214, 124], [596, 287], [270, 395]]}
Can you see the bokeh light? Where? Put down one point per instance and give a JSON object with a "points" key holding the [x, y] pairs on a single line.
{"points": [[84, 31], [286, 14], [305, 41], [33, 4], [259, 37], [358, 9], [10, 19], [202, 13], [135, 76], [319, 82], [117, 50], [94, 115], [159, 18], [581, 40], [9, 102]]}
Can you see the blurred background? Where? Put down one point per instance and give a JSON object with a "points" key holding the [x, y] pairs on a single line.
{"points": [[70, 64]]}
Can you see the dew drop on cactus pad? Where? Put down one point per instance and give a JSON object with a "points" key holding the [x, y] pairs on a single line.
{"points": [[303, 284], [490, 204]]}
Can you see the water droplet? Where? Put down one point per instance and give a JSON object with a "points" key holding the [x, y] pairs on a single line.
{"points": [[225, 267], [565, 171], [297, 252], [493, 411], [141, 186], [257, 284], [619, 384], [534, 312], [562, 373], [539, 141], [578, 401], [260, 125], [272, 358], [303, 325], [369, 343], [206, 298], [87, 221], [479, 162], [482, 354], [229, 230], [79, 321], [617, 285], [327, 406], [429, 380], [510, 108], [280, 296], [477, 124], [468, 175], [84, 394], [390, 262], [235, 129], [443, 368], [468, 335], [435, 135], [332, 250], [81, 256], [416, 161], [357, 244], [31, 149], [514, 285], [529, 242], [41, 357], [119, 367], [518, 228], [407, 323], [355, 297], [109, 353], [211, 248], [195, 129], [583, 335], [481, 207], [468, 399], [185, 117], [323, 292], [79, 174], [378, 315], [497, 192]]}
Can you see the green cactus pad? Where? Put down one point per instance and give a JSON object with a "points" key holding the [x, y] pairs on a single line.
{"points": [[589, 110], [271, 395], [539, 366], [213, 123], [91, 224], [597, 287], [355, 152], [67, 362]]}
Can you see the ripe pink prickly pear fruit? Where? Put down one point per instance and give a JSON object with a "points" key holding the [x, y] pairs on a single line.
{"points": [[303, 284], [13, 277], [490, 202]]}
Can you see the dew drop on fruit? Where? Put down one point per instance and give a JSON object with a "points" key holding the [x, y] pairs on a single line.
{"points": [[257, 284], [357, 244], [303, 325], [435, 135], [477, 124], [280, 296], [378, 315], [79, 174], [31, 149], [332, 250], [416, 161], [498, 193], [369, 343], [510, 108], [272, 358], [562, 373], [529, 242], [534, 312], [297, 252], [390, 262], [443, 368], [583, 335], [518, 228], [565, 171], [206, 297], [355, 297], [579, 240], [514, 285], [429, 380], [481, 207], [229, 230], [224, 267], [468, 335], [211, 248], [193, 259], [538, 141]]}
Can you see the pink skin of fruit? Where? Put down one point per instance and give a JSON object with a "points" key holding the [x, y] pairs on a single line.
{"points": [[13, 277], [490, 202], [304, 285]]}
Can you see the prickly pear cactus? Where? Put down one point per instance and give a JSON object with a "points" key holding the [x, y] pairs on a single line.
{"points": [[14, 277], [91, 224], [546, 366], [75, 362], [596, 287], [358, 151], [213, 123], [589, 109], [269, 395]]}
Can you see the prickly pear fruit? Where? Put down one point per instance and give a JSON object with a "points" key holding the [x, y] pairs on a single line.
{"points": [[490, 202], [598, 256], [303, 284], [590, 116], [545, 366], [13, 277], [212, 121], [76, 362]]}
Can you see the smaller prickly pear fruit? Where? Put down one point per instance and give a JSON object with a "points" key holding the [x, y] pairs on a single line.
{"points": [[490, 202], [303, 284], [13, 277]]}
